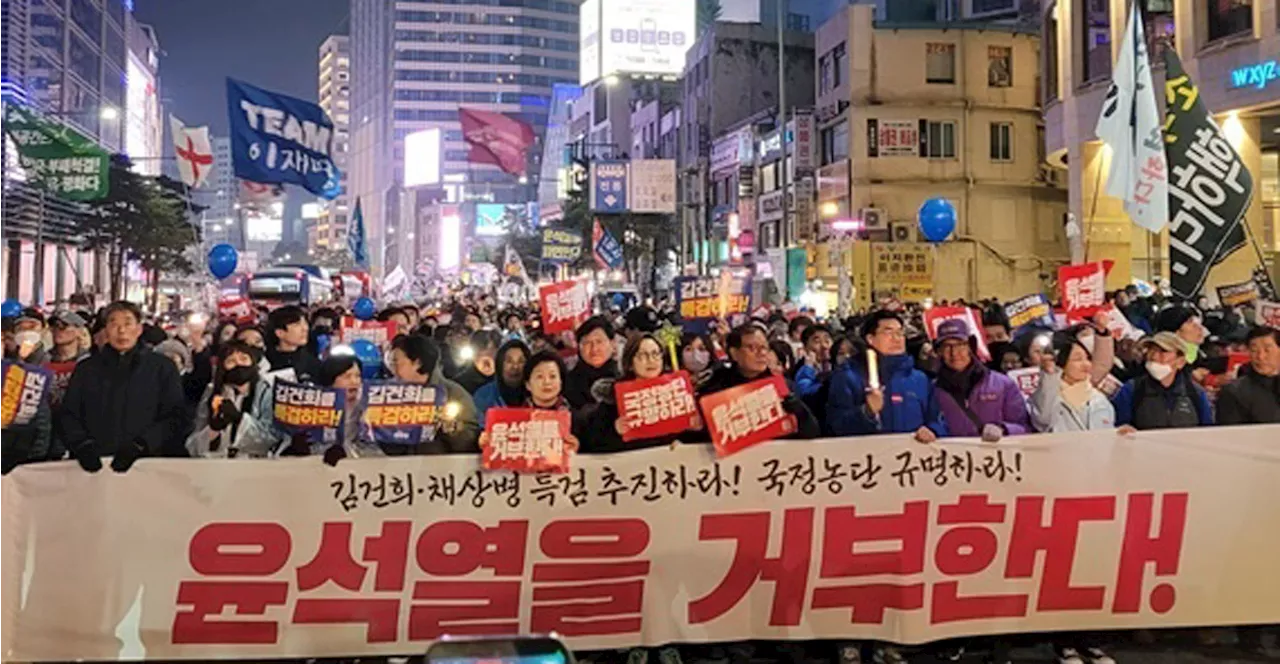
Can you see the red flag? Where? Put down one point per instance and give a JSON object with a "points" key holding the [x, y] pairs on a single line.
{"points": [[496, 139]]}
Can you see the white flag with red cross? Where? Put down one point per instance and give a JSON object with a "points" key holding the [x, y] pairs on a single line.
{"points": [[193, 152]]}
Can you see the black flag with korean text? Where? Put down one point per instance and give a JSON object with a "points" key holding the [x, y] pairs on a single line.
{"points": [[1209, 186]]}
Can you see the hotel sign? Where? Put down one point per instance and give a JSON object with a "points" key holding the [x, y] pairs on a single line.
{"points": [[1258, 75]]}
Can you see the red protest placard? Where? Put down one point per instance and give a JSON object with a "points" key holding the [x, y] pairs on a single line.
{"points": [[747, 414], [565, 304], [235, 308], [379, 332], [655, 407], [526, 440], [937, 315], [1027, 379], [1083, 287]]}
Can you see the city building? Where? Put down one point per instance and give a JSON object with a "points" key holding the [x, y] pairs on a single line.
{"points": [[218, 197], [913, 111], [328, 231], [143, 111], [731, 84], [1220, 44], [412, 68], [68, 61], [556, 164]]}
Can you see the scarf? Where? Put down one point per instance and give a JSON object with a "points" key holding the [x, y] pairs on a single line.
{"points": [[960, 383]]}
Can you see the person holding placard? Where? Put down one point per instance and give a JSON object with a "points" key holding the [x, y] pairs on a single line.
{"points": [[885, 393], [416, 359], [1066, 399], [234, 417], [749, 361]]}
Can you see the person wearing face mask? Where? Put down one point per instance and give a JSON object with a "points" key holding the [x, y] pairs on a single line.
{"points": [[600, 425], [29, 343], [695, 357], [234, 418], [484, 347], [340, 370], [1165, 397], [749, 352], [905, 402], [324, 324], [416, 359], [1066, 399], [1254, 397], [596, 360], [507, 387]]}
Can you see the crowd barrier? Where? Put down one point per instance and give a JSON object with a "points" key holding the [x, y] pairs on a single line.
{"points": [[856, 538]]}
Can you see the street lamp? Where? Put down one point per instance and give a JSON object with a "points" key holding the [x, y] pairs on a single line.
{"points": [[524, 179], [109, 113]]}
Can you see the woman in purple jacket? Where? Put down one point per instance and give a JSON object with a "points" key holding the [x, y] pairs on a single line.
{"points": [[975, 401]]}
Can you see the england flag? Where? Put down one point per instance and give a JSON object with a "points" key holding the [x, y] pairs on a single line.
{"points": [[193, 152]]}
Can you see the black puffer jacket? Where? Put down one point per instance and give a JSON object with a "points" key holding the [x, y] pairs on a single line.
{"points": [[118, 398], [578, 382], [729, 376], [1250, 399]]}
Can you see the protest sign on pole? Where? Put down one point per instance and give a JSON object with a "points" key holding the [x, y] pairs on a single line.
{"points": [[703, 299], [290, 558], [746, 415], [565, 305], [1034, 308], [402, 413], [1268, 313], [1233, 295], [934, 317], [379, 332], [526, 440], [316, 412], [655, 407], [1027, 380], [1083, 287]]}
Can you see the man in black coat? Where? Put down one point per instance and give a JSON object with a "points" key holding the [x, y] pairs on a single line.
{"points": [[749, 351], [1254, 397], [597, 360], [126, 401]]}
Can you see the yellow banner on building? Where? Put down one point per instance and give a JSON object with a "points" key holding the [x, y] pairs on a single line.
{"points": [[903, 269]]}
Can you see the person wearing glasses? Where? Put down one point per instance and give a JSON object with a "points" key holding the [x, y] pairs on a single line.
{"points": [[903, 399], [749, 355]]}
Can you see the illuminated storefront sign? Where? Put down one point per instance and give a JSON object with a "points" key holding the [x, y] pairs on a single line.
{"points": [[1258, 75]]}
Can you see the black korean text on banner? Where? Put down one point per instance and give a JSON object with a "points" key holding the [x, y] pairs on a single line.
{"points": [[1209, 187]]}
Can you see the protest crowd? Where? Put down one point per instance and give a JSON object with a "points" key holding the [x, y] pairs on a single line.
{"points": [[125, 386]]}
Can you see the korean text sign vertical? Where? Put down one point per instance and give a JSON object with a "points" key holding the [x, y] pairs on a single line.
{"points": [[278, 139], [748, 414], [609, 184], [316, 412], [24, 387], [655, 407], [565, 304], [402, 413], [1084, 287], [526, 440]]}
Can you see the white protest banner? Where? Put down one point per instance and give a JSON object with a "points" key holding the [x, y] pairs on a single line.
{"points": [[870, 538], [1268, 313]]}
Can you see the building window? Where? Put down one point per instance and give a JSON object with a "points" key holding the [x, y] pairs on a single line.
{"points": [[941, 140], [999, 66], [1228, 18], [825, 84], [769, 177], [835, 142], [1001, 141], [1157, 25], [1096, 34], [1050, 41], [940, 63], [839, 64]]}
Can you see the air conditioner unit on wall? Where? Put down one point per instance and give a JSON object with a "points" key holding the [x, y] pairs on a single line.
{"points": [[903, 231], [874, 219]]}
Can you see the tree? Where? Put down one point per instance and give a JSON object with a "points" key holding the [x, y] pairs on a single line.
{"points": [[708, 13], [141, 218], [335, 260], [290, 250]]}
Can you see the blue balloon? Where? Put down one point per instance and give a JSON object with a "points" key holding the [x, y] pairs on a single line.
{"points": [[11, 309], [937, 219], [363, 308], [222, 260], [370, 357]]}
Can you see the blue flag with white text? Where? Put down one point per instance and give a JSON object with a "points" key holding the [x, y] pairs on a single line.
{"points": [[278, 139], [355, 238]]}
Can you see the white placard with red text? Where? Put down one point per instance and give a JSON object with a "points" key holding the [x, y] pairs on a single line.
{"points": [[1268, 313], [292, 558]]}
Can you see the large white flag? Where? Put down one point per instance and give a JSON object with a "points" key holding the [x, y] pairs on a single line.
{"points": [[1130, 125], [193, 152]]}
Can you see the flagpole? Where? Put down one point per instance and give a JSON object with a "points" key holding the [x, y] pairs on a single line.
{"points": [[1257, 249]]}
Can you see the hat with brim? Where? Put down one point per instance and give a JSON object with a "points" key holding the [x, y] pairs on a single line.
{"points": [[1166, 341], [952, 329]]}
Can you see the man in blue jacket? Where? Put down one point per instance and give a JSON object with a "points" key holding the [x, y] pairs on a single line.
{"points": [[904, 402]]}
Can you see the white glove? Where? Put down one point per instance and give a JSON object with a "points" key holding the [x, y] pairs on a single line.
{"points": [[992, 433]]}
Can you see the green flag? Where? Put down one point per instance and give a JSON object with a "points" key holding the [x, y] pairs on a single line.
{"points": [[57, 158]]}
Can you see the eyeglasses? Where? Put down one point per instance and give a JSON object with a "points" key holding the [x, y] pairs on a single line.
{"points": [[893, 334], [649, 355]]}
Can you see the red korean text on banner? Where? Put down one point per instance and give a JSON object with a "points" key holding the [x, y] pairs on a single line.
{"points": [[565, 304], [235, 308], [379, 332], [937, 315], [655, 407], [526, 440], [747, 414], [61, 379], [1083, 287], [1027, 379]]}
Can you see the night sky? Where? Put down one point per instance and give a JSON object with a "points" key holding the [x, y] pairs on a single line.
{"points": [[270, 43]]}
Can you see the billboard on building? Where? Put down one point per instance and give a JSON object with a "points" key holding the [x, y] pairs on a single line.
{"points": [[635, 37], [422, 158], [263, 228], [489, 218], [142, 130]]}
